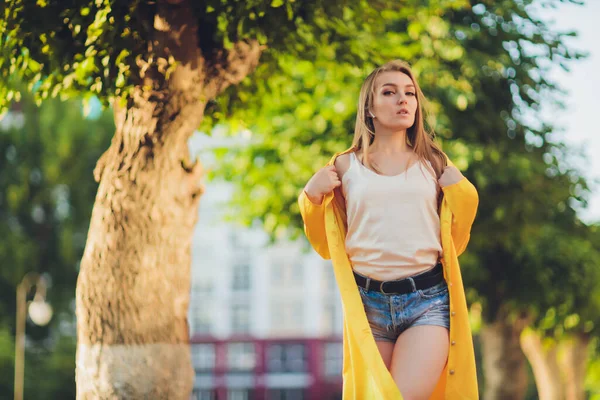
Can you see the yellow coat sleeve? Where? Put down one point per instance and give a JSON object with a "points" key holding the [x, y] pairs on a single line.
{"points": [[313, 216], [463, 201]]}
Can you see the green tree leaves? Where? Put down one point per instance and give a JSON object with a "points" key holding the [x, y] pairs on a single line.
{"points": [[47, 156]]}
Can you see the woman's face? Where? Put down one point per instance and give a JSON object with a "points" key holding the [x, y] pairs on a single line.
{"points": [[394, 101]]}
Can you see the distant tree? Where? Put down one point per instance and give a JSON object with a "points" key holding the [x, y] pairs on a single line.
{"points": [[564, 324], [485, 69], [164, 62], [160, 63], [47, 157]]}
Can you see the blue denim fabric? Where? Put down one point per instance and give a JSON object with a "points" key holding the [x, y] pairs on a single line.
{"points": [[391, 314]]}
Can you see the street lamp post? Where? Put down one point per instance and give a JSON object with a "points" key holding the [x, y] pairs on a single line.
{"points": [[40, 313]]}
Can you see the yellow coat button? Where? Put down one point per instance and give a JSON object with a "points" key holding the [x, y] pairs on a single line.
{"points": [[451, 372], [453, 313], [453, 343]]}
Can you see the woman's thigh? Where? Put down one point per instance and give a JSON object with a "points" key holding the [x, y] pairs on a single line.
{"points": [[418, 360], [386, 349]]}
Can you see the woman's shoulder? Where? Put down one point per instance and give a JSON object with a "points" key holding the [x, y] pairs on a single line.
{"points": [[343, 154], [342, 161]]}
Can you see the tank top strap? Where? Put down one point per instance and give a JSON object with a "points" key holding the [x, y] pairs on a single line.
{"points": [[353, 170], [354, 159]]}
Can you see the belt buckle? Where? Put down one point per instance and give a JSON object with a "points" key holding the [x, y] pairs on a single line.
{"points": [[381, 287]]}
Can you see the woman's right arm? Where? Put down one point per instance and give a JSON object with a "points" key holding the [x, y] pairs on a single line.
{"points": [[312, 207]]}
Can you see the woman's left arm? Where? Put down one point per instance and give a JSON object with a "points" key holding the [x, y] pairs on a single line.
{"points": [[463, 200]]}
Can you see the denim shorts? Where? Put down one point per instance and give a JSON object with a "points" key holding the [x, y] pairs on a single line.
{"points": [[391, 314]]}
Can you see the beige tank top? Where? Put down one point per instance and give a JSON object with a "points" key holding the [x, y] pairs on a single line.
{"points": [[393, 223]]}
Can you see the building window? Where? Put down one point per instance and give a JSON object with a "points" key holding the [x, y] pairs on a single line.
{"points": [[297, 316], [275, 359], [278, 272], [203, 356], [204, 395], [329, 282], [241, 275], [240, 394], [329, 321], [287, 272], [200, 316], [333, 359], [202, 288], [203, 253], [240, 314], [286, 394], [297, 270], [287, 317], [241, 356], [287, 358]]}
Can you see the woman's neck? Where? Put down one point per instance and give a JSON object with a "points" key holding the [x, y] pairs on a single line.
{"points": [[390, 144]]}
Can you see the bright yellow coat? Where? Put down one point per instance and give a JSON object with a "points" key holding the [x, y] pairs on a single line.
{"points": [[365, 375]]}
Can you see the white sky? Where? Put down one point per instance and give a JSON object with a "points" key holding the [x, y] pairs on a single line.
{"points": [[583, 84]]}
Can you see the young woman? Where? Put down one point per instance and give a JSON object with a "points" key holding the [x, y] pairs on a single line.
{"points": [[394, 214]]}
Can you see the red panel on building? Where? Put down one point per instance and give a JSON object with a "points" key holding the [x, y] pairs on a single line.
{"points": [[246, 368]]}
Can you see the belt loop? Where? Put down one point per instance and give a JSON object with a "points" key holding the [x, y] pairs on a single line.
{"points": [[412, 282], [368, 284]]}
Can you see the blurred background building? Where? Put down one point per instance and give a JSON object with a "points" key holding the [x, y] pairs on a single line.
{"points": [[265, 319]]}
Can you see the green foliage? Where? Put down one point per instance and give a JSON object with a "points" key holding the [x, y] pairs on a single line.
{"points": [[592, 381], [527, 236], [567, 263], [47, 155], [99, 47], [50, 369], [485, 69], [484, 65], [301, 112], [7, 357], [70, 49]]}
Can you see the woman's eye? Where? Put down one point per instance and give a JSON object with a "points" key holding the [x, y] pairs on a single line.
{"points": [[410, 93], [387, 92]]}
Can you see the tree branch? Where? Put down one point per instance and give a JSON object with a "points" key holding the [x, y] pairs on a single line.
{"points": [[230, 67]]}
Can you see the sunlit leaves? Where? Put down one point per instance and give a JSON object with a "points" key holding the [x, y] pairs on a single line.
{"points": [[484, 68], [300, 113]]}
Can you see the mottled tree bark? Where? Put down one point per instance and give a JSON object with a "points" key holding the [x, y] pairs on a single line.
{"points": [[542, 356], [134, 282], [504, 364], [573, 364], [559, 366]]}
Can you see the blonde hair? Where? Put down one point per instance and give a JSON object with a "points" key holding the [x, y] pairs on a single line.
{"points": [[417, 136]]}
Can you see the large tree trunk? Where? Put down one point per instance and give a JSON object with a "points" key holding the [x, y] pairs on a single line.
{"points": [[573, 364], [542, 355], [504, 364], [134, 282], [559, 366]]}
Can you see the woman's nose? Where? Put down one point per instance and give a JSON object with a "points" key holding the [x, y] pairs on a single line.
{"points": [[402, 99]]}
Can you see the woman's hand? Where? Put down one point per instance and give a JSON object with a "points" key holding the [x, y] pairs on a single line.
{"points": [[323, 182], [450, 176]]}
